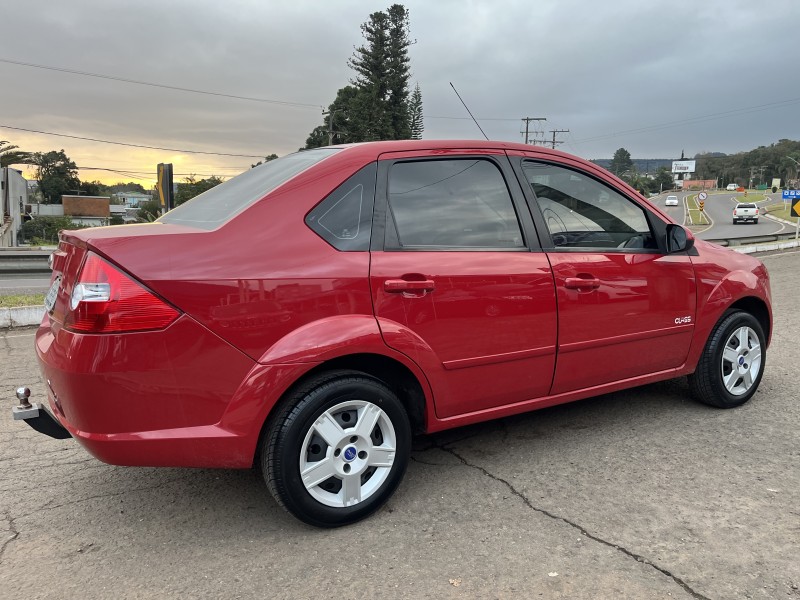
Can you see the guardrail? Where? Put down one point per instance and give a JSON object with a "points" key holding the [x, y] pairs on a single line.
{"points": [[759, 239], [19, 260]]}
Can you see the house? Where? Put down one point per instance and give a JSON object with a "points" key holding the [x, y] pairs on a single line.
{"points": [[132, 199]]}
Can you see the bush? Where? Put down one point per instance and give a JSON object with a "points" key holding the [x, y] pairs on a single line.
{"points": [[44, 230]]}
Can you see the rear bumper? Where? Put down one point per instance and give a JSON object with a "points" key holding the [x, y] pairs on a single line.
{"points": [[177, 397]]}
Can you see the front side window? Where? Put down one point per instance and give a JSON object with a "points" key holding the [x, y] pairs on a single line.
{"points": [[451, 205], [581, 212]]}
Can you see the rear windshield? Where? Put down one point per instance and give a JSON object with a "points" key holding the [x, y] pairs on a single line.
{"points": [[746, 206], [216, 206]]}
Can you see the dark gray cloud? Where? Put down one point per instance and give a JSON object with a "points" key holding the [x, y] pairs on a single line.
{"points": [[609, 72]]}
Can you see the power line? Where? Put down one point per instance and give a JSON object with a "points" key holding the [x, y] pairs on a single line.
{"points": [[469, 118], [77, 137], [135, 174], [124, 170], [161, 85]]}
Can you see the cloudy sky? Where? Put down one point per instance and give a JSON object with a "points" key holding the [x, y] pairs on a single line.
{"points": [[655, 77]]}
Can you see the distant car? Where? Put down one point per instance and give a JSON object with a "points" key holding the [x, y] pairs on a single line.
{"points": [[745, 212], [732, 187], [306, 317], [671, 201]]}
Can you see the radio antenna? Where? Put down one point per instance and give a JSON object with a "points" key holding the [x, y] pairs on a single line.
{"points": [[468, 110]]}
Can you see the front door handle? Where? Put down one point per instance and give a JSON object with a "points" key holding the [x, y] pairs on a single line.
{"points": [[403, 285], [581, 283]]}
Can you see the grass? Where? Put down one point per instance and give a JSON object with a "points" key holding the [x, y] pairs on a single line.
{"points": [[783, 213], [697, 218], [21, 300]]}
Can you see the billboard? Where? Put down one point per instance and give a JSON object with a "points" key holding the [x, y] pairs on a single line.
{"points": [[683, 166]]}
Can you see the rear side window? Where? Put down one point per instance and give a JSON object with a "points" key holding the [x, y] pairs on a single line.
{"points": [[218, 205], [344, 218], [451, 205]]}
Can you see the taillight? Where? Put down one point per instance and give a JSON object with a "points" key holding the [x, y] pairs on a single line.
{"points": [[106, 300], [756, 210], [734, 212]]}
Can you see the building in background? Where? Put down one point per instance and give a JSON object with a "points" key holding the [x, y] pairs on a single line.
{"points": [[13, 197], [132, 199]]}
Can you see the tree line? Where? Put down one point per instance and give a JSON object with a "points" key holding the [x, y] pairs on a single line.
{"points": [[760, 166]]}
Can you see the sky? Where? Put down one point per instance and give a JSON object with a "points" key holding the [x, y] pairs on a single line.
{"points": [[655, 77]]}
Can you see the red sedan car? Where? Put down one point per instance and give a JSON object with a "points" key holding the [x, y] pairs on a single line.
{"points": [[313, 313]]}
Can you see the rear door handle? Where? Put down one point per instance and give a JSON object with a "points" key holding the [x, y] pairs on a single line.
{"points": [[403, 285], [581, 283]]}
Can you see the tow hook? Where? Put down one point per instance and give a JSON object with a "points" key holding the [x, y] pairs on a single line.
{"points": [[37, 416]]}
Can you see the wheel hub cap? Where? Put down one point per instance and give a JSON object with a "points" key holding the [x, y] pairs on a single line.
{"points": [[741, 361], [349, 453]]}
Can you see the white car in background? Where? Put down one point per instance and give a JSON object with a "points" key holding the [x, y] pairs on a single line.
{"points": [[732, 187], [671, 201]]}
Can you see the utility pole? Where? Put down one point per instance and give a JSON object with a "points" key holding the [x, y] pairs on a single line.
{"points": [[332, 113], [527, 121], [554, 132], [761, 173]]}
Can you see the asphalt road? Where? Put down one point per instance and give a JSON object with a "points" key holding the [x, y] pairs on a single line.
{"points": [[638, 494], [23, 283], [719, 208]]}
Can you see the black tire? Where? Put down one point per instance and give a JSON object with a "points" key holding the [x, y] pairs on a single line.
{"points": [[294, 436], [708, 382]]}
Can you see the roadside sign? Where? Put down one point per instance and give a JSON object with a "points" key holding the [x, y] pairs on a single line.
{"points": [[702, 205], [796, 207], [791, 194], [702, 196]]}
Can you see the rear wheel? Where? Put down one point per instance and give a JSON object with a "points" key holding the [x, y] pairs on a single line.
{"points": [[337, 449], [732, 362]]}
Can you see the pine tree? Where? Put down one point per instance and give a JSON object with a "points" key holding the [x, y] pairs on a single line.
{"points": [[370, 63], [415, 114], [399, 71], [376, 105]]}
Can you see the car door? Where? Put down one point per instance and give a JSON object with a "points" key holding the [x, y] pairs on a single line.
{"points": [[626, 308], [456, 283]]}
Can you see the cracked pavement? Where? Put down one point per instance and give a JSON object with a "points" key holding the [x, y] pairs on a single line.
{"points": [[638, 494]]}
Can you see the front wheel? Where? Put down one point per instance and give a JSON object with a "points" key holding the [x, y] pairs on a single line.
{"points": [[337, 449], [732, 362]]}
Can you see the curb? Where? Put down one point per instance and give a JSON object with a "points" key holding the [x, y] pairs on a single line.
{"points": [[21, 316], [772, 246]]}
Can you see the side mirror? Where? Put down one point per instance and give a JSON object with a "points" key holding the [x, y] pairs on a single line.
{"points": [[679, 239]]}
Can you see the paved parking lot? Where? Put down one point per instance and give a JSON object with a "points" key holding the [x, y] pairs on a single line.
{"points": [[639, 494]]}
